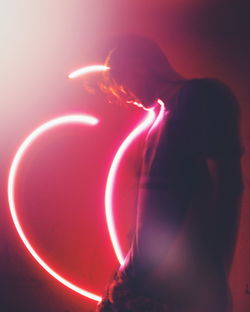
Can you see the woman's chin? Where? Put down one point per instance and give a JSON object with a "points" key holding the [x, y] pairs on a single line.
{"points": [[148, 103]]}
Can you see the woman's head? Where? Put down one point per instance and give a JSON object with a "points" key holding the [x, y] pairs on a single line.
{"points": [[137, 68]]}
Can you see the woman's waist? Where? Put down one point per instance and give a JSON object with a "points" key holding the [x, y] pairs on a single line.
{"points": [[175, 183]]}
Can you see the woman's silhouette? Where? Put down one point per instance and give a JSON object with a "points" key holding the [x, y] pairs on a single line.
{"points": [[190, 187]]}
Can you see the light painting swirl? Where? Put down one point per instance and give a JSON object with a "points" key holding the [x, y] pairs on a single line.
{"points": [[149, 120]]}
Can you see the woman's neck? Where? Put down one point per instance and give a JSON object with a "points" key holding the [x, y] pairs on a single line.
{"points": [[167, 90]]}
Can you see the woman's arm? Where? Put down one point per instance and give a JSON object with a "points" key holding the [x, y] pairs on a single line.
{"points": [[227, 183]]}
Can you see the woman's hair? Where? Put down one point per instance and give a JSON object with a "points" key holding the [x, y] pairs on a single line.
{"points": [[127, 52], [121, 296]]}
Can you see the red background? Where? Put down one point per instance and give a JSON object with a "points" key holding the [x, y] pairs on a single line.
{"points": [[61, 182]]}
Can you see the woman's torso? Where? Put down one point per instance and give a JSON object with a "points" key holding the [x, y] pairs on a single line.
{"points": [[173, 245]]}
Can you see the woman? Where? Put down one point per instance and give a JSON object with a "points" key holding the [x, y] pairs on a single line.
{"points": [[190, 187]]}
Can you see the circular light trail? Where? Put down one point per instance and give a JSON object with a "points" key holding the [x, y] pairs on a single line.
{"points": [[87, 70], [68, 119], [149, 120]]}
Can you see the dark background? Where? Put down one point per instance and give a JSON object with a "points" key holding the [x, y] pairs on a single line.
{"points": [[60, 185]]}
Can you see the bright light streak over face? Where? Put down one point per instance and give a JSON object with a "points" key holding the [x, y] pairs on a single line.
{"points": [[87, 70], [68, 119]]}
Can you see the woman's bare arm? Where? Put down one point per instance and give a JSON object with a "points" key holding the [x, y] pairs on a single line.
{"points": [[227, 182]]}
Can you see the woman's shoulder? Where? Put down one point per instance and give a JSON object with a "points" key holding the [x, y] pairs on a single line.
{"points": [[207, 85], [208, 109], [207, 96]]}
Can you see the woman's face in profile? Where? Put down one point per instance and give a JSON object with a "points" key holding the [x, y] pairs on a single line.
{"points": [[138, 83]]}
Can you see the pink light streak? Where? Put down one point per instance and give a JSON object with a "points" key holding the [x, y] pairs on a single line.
{"points": [[68, 119], [149, 120], [159, 116], [87, 70], [150, 116]]}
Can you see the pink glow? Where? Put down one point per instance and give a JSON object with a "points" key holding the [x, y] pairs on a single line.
{"points": [[68, 119], [86, 70], [139, 105], [111, 181], [88, 120], [160, 115]]}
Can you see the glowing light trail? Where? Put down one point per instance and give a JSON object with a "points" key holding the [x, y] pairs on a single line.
{"points": [[159, 116], [111, 181], [148, 121], [86, 70], [69, 119]]}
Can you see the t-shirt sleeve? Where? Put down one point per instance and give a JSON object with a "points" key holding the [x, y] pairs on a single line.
{"points": [[208, 115]]}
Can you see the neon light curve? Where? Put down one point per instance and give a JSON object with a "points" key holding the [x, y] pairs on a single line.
{"points": [[84, 119], [68, 119]]}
